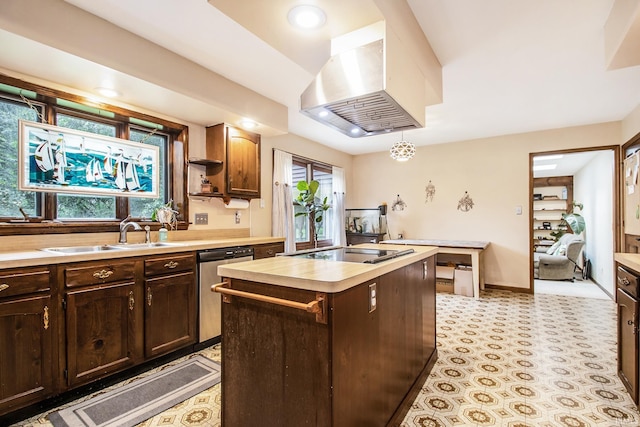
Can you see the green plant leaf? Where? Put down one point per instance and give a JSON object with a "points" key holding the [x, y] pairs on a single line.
{"points": [[302, 186], [313, 187], [575, 221]]}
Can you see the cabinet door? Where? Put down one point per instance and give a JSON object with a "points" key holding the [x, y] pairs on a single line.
{"points": [[170, 313], [26, 352], [628, 343], [100, 331], [243, 163]]}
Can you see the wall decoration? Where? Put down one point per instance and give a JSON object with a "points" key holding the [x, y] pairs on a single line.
{"points": [[398, 204], [466, 203], [430, 191], [61, 160]]}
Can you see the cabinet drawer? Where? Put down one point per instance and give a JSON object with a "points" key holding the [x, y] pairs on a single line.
{"points": [[99, 273], [169, 264], [267, 251], [627, 281], [24, 281]]}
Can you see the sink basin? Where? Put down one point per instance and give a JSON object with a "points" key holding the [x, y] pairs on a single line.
{"points": [[101, 248], [81, 249], [144, 245]]}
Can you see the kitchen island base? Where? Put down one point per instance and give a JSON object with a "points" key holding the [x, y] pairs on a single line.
{"points": [[357, 358]]}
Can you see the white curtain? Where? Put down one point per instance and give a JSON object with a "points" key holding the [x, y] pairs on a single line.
{"points": [[282, 218], [339, 235]]}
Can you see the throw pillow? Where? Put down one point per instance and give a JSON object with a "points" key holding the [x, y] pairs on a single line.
{"points": [[561, 250], [553, 248]]}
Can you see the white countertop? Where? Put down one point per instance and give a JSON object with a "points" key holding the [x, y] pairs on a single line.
{"points": [[321, 275], [29, 258], [629, 260]]}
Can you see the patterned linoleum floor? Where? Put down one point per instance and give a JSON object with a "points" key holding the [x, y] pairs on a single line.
{"points": [[507, 359]]}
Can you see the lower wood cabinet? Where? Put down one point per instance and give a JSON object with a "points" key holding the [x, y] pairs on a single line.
{"points": [[28, 328], [170, 304], [121, 313], [100, 331], [628, 321]]}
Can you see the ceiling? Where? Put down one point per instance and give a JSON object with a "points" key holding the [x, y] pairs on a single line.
{"points": [[506, 66]]}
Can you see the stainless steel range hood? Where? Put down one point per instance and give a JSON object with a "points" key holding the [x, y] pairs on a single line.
{"points": [[372, 89]]}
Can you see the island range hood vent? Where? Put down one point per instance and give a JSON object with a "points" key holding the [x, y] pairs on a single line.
{"points": [[367, 90]]}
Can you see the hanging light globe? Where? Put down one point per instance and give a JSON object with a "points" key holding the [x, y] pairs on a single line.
{"points": [[402, 150]]}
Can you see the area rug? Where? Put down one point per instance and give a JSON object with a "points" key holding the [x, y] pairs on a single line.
{"points": [[140, 400]]}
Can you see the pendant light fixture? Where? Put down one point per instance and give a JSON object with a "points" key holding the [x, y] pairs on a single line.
{"points": [[402, 150]]}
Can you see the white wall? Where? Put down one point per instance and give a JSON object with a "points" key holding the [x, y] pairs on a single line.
{"points": [[495, 172], [594, 187], [631, 125]]}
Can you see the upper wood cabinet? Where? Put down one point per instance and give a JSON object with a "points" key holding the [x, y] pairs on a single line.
{"points": [[235, 157]]}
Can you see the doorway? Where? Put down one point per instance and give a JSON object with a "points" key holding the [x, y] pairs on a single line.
{"points": [[590, 177]]}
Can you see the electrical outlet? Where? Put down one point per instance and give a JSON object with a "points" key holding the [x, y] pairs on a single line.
{"points": [[373, 299], [202, 218]]}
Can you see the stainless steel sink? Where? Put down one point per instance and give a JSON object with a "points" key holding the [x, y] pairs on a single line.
{"points": [[102, 248], [81, 249], [145, 245]]}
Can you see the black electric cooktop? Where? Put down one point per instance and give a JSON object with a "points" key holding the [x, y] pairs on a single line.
{"points": [[360, 255]]}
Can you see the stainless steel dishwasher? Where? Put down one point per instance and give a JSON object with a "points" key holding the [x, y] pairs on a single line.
{"points": [[210, 302]]}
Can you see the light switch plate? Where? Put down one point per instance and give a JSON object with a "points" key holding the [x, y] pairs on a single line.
{"points": [[202, 218]]}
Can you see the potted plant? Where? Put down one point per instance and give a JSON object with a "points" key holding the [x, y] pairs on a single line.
{"points": [[571, 221], [313, 206]]}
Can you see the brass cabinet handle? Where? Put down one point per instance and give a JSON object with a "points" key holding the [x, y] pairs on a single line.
{"points": [[624, 281], [149, 297], [425, 270], [270, 252], [45, 318], [103, 274], [171, 264], [132, 301], [3, 287]]}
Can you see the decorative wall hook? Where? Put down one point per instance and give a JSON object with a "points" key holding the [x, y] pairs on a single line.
{"points": [[430, 191], [466, 203], [398, 204]]}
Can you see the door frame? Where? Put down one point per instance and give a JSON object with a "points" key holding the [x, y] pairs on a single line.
{"points": [[617, 198]]}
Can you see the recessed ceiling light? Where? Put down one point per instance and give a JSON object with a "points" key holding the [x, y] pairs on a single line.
{"points": [[108, 92], [323, 113], [307, 17], [248, 124]]}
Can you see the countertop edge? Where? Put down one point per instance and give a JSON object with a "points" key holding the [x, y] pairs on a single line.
{"points": [[628, 260]]}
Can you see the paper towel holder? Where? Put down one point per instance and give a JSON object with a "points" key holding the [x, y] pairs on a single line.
{"points": [[235, 203]]}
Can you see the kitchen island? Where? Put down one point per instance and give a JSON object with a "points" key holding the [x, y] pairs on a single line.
{"points": [[326, 343]]}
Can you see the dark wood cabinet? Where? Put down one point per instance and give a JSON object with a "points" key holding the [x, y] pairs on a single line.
{"points": [[628, 341], [121, 313], [28, 328], [100, 331], [235, 157], [358, 238], [357, 366], [267, 250], [170, 304], [100, 319]]}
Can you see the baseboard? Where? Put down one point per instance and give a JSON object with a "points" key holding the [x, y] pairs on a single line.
{"points": [[508, 288]]}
